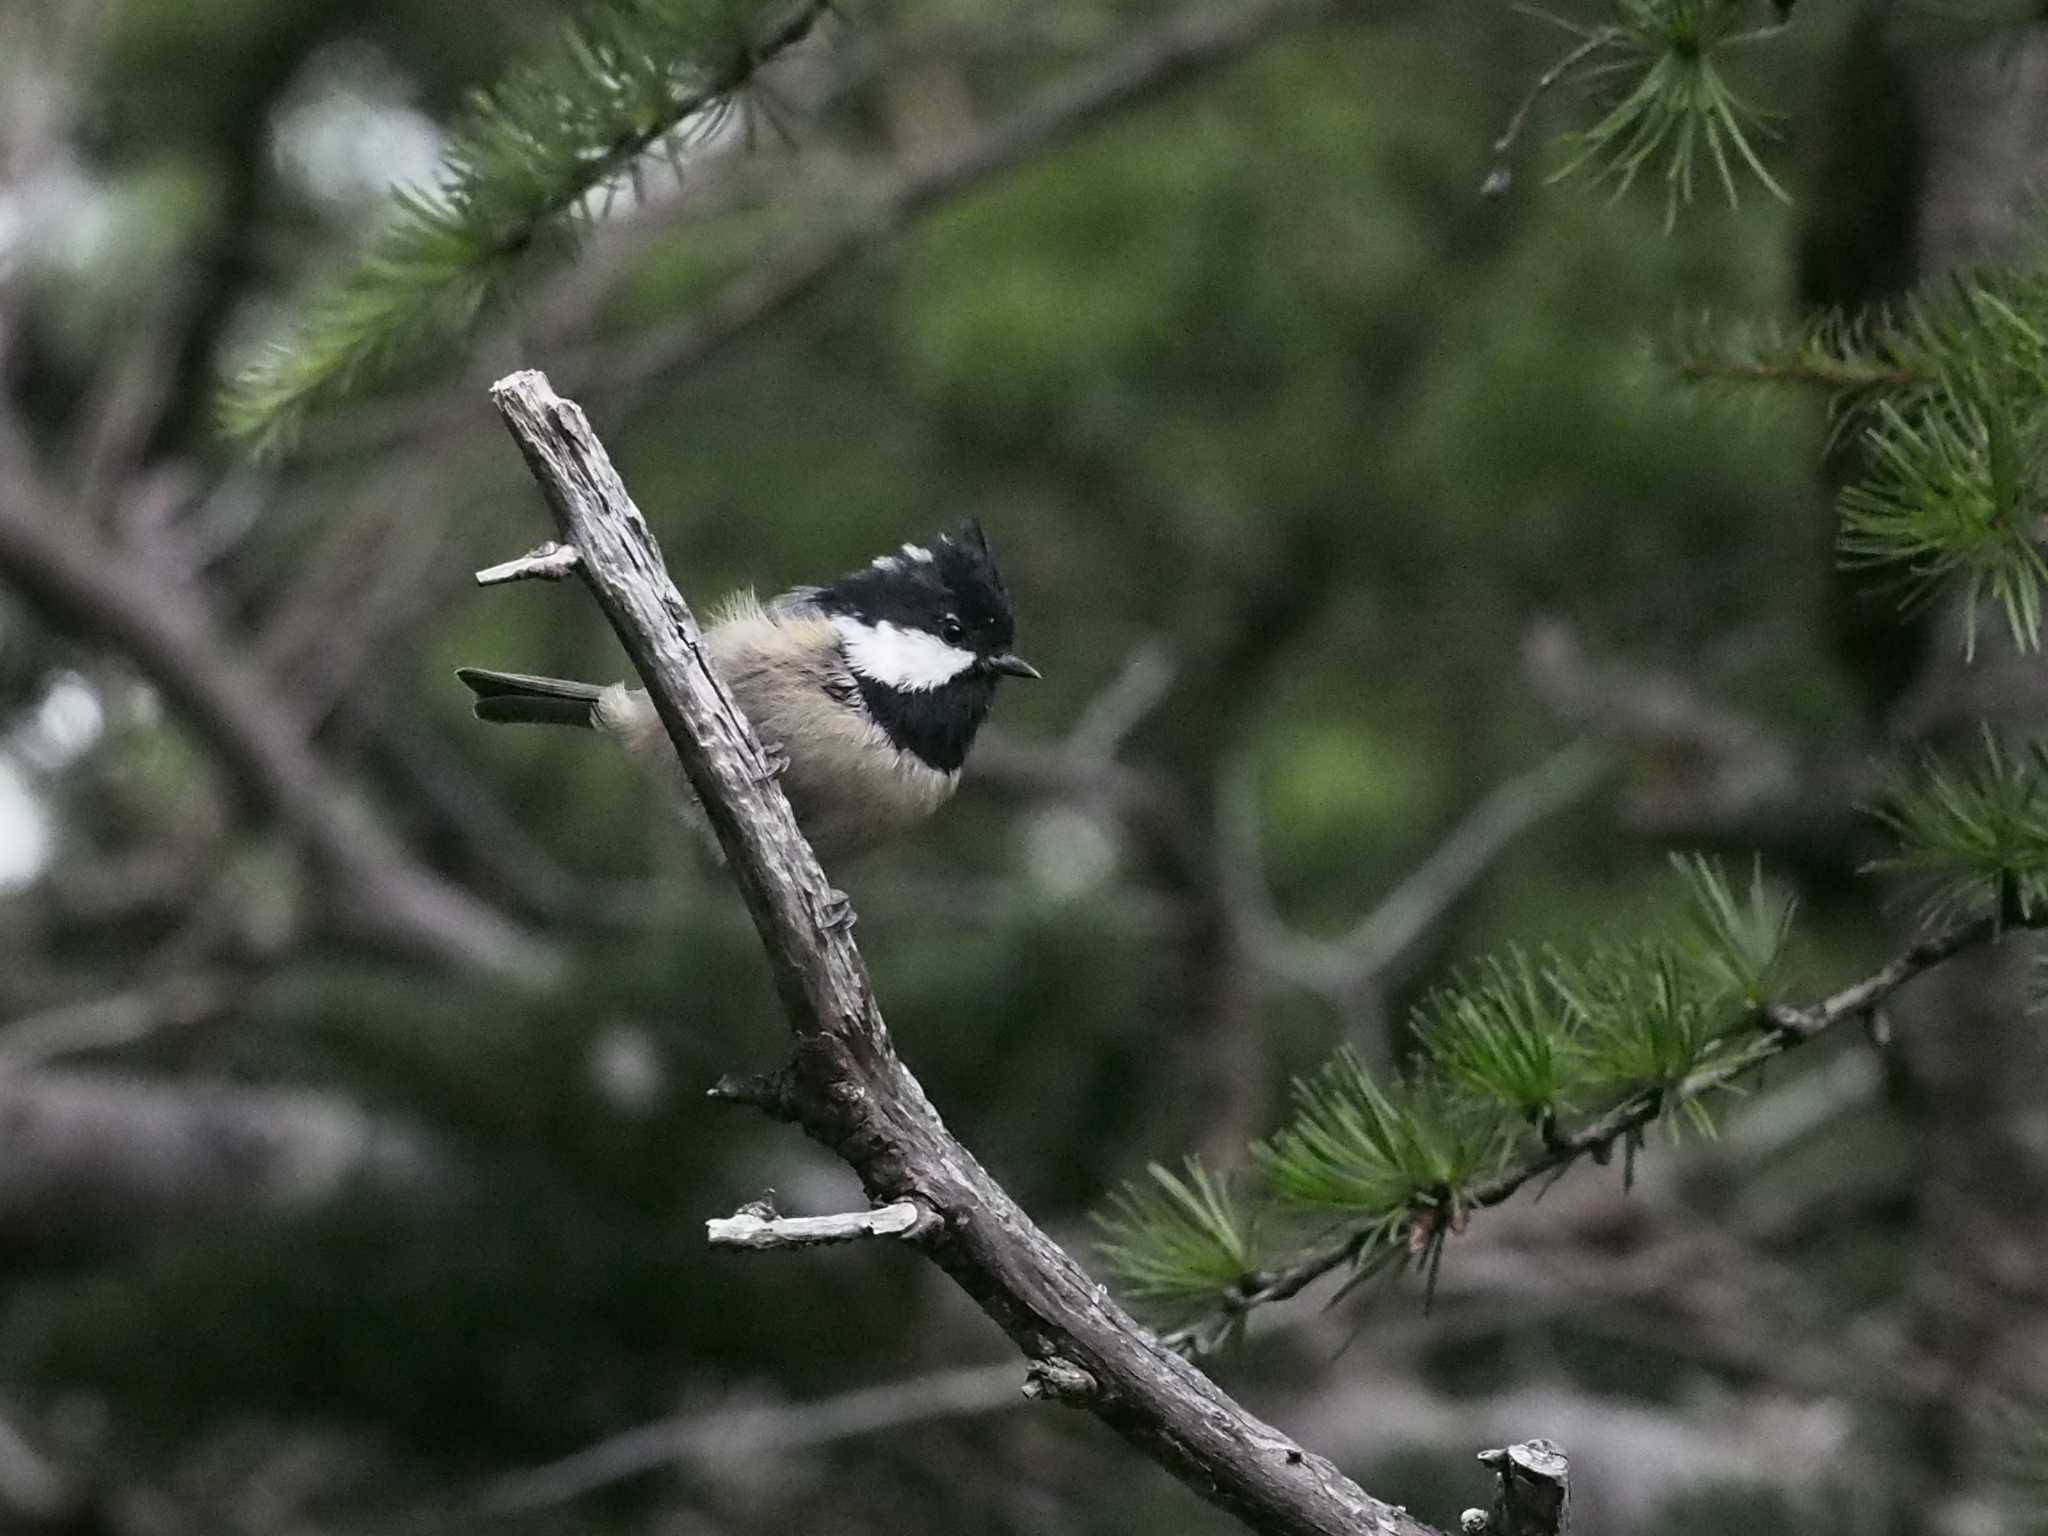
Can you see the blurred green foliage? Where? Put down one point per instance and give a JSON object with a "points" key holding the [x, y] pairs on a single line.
{"points": [[1254, 371]]}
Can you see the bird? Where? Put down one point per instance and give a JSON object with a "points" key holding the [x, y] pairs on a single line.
{"points": [[867, 691]]}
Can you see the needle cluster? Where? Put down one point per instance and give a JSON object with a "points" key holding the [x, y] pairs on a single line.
{"points": [[1977, 835], [1526, 1063], [1512, 1055], [527, 167], [1660, 70], [1945, 398]]}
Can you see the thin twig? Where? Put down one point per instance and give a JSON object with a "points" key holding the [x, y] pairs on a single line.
{"points": [[1343, 967], [1545, 83], [548, 562], [751, 1231]]}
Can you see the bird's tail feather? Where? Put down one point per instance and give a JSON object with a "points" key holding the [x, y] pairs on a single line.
{"points": [[517, 699]]}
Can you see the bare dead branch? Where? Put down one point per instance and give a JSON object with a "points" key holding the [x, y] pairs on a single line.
{"points": [[547, 562], [847, 1087], [752, 1230]]}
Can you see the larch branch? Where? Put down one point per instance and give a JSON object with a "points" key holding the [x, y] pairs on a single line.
{"points": [[1782, 1027]]}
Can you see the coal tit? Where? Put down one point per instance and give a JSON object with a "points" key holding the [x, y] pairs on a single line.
{"points": [[869, 689]]}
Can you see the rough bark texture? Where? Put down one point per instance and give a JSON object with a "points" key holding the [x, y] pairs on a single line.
{"points": [[1534, 1497], [847, 1088]]}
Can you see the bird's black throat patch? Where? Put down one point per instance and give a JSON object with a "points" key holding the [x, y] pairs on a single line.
{"points": [[936, 725]]}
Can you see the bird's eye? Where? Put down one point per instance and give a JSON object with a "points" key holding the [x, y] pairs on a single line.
{"points": [[951, 629]]}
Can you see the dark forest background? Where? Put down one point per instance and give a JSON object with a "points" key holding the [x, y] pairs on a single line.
{"points": [[354, 1150]]}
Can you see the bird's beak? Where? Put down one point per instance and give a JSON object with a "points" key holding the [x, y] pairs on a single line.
{"points": [[1012, 665]]}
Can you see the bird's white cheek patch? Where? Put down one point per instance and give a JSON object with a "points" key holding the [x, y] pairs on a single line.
{"points": [[910, 659]]}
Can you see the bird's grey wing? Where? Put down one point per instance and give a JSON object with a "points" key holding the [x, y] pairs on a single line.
{"points": [[797, 602], [837, 679], [793, 620]]}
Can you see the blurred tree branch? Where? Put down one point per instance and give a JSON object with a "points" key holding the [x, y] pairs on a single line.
{"points": [[101, 1157], [1173, 53], [118, 1019], [738, 1433], [1167, 56], [1345, 967], [1696, 769], [93, 589]]}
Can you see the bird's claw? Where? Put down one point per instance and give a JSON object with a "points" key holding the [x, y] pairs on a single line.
{"points": [[837, 911], [774, 762]]}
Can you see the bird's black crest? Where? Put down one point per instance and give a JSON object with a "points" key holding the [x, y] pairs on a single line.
{"points": [[921, 586]]}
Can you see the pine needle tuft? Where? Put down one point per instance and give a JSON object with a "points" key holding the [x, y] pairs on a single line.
{"points": [[1977, 835], [1737, 943], [1672, 107], [1178, 1242], [631, 78], [1384, 1153]]}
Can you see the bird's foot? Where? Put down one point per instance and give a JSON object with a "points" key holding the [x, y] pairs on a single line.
{"points": [[837, 911], [774, 762]]}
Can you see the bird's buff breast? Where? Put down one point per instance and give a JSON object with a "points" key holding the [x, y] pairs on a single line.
{"points": [[848, 785]]}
